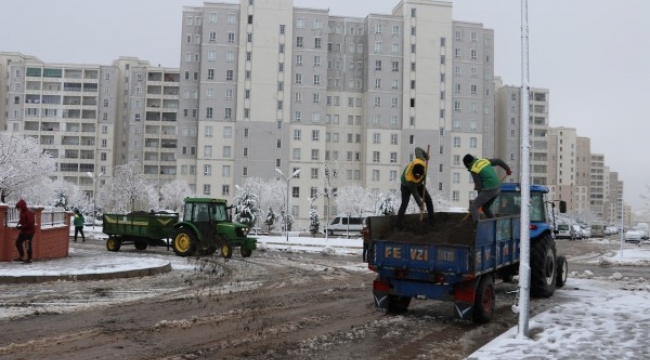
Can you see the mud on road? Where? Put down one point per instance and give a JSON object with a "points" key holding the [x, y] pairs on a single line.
{"points": [[272, 305]]}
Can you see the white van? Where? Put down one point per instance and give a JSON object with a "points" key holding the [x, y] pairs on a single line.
{"points": [[344, 225]]}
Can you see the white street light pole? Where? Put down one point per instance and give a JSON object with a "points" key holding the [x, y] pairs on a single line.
{"points": [[90, 175], [286, 219]]}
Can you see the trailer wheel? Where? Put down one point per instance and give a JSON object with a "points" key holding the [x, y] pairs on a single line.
{"points": [[140, 244], [113, 244], [484, 300], [226, 250], [245, 252], [184, 242], [398, 304], [543, 267], [562, 271]]}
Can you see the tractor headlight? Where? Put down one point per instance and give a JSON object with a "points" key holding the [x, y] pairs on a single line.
{"points": [[244, 231]]}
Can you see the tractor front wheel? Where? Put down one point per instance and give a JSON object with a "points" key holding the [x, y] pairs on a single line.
{"points": [[226, 250], [184, 242], [113, 243], [245, 252]]}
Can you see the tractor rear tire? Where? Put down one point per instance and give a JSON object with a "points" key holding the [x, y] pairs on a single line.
{"points": [[543, 267], [113, 244], [184, 242], [484, 300], [562, 271]]}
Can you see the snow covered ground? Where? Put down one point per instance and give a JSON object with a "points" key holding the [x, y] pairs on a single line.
{"points": [[599, 317]]}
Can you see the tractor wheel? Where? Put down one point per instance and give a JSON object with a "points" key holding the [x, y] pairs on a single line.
{"points": [[245, 252], [484, 300], [184, 242], [562, 271], [140, 244], [226, 250], [543, 267], [113, 244], [398, 304]]}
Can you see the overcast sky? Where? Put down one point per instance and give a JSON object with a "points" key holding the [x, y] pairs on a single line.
{"points": [[593, 55]]}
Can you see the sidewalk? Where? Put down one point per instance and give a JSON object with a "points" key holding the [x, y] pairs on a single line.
{"points": [[84, 263]]}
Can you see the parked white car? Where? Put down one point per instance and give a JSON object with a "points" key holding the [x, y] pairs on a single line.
{"points": [[586, 231], [634, 236], [565, 231]]}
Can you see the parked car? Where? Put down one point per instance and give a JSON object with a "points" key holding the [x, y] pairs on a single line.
{"points": [[577, 232], [597, 230], [634, 236], [645, 228], [565, 231], [586, 231]]}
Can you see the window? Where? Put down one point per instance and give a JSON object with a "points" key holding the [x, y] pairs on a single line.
{"points": [[296, 154], [473, 142], [315, 135], [375, 156], [206, 189], [231, 37], [298, 78], [227, 151], [377, 65], [207, 151], [210, 74], [395, 65], [317, 43], [207, 170], [208, 113], [229, 75], [299, 41], [296, 134], [314, 154], [456, 141]]}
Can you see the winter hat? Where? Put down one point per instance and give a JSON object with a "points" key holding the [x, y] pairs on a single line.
{"points": [[467, 160], [418, 170]]}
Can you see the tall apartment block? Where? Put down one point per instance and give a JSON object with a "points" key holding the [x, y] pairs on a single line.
{"points": [[69, 109], [597, 197], [569, 168], [146, 120], [508, 134], [345, 100]]}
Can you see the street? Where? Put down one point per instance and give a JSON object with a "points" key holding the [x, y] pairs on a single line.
{"points": [[273, 305]]}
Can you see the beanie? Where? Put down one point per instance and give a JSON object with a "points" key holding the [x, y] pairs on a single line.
{"points": [[467, 160]]}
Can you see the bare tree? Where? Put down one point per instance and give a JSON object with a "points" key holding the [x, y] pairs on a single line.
{"points": [[173, 194], [129, 190], [23, 163]]}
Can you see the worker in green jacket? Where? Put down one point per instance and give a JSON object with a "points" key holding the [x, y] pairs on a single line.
{"points": [[486, 182], [413, 183]]}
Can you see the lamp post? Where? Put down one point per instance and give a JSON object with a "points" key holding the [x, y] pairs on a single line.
{"points": [[286, 219], [327, 196], [90, 175]]}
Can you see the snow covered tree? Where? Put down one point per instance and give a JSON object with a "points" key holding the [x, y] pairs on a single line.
{"points": [[69, 196], [386, 204], [246, 207], [129, 190], [23, 163], [314, 222], [173, 195], [352, 200]]}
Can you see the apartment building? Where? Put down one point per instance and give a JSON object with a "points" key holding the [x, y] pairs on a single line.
{"points": [[570, 168], [345, 100], [508, 134], [597, 192], [146, 121], [69, 109]]}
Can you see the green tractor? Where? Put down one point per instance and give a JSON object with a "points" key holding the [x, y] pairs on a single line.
{"points": [[207, 226]]}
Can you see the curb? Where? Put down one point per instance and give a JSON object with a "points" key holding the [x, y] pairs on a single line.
{"points": [[82, 277]]}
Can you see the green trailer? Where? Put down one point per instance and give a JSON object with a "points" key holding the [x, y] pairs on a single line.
{"points": [[139, 228]]}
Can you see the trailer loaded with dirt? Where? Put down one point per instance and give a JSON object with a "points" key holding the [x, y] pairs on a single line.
{"points": [[206, 226], [453, 260]]}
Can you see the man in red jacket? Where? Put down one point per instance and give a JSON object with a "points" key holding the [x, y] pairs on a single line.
{"points": [[26, 226]]}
